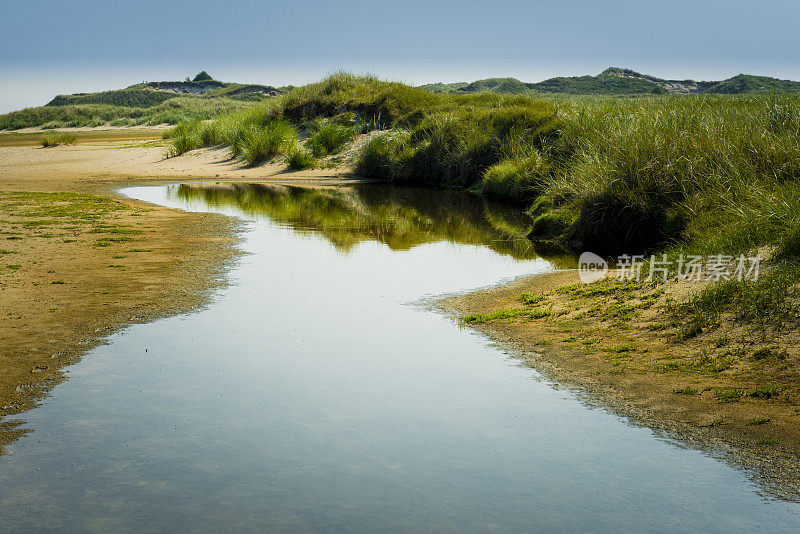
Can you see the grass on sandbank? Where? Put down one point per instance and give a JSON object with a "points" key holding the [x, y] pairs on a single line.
{"points": [[64, 138], [329, 137], [298, 158]]}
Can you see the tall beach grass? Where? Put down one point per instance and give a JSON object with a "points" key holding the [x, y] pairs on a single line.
{"points": [[63, 138]]}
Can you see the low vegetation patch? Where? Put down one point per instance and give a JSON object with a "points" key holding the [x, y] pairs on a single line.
{"points": [[686, 391], [64, 138], [478, 318], [765, 392], [759, 421], [768, 305], [729, 394]]}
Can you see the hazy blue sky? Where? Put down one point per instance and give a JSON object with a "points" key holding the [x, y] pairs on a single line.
{"points": [[49, 47]]}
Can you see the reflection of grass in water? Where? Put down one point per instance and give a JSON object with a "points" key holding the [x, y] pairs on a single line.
{"points": [[511, 228], [400, 218]]}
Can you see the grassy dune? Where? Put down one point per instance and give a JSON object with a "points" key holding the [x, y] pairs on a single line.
{"points": [[133, 112], [134, 98]]}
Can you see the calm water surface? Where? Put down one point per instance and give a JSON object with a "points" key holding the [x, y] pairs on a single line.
{"points": [[317, 394]]}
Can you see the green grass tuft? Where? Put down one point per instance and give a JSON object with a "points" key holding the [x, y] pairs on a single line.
{"points": [[183, 138], [64, 138], [765, 392], [298, 158], [517, 179], [729, 394], [329, 138], [259, 145]]}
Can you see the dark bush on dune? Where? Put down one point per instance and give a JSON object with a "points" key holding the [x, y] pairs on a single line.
{"points": [[611, 225]]}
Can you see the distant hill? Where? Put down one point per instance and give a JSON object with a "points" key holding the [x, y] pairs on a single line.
{"points": [[144, 103], [746, 83], [670, 86], [145, 95], [449, 88], [618, 81], [135, 98], [740, 84], [212, 88], [497, 85], [603, 84]]}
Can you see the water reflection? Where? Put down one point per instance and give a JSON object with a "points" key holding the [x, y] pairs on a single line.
{"points": [[400, 218]]}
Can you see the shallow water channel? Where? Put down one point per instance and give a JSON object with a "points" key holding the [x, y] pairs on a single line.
{"points": [[321, 392]]}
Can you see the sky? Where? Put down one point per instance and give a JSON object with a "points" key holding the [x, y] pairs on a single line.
{"points": [[56, 47]]}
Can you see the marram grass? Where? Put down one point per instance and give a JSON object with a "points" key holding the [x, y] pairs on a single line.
{"points": [[63, 138]]}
